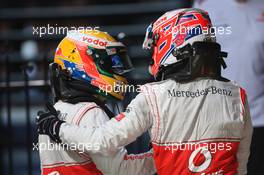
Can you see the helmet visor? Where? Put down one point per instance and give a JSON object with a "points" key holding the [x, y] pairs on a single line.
{"points": [[121, 62]]}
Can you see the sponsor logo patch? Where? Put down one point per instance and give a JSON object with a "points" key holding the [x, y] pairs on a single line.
{"points": [[120, 117], [94, 41]]}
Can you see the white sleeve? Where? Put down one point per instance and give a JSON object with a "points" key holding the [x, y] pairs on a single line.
{"points": [[115, 133], [244, 146], [119, 162]]}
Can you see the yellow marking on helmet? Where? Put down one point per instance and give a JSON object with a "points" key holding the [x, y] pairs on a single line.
{"points": [[68, 53], [117, 83]]}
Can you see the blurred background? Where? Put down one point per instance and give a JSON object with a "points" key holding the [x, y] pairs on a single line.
{"points": [[25, 55]]}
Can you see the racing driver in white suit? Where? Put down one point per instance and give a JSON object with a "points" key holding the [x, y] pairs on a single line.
{"points": [[199, 122], [85, 63]]}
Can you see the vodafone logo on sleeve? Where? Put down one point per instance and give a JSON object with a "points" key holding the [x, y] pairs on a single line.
{"points": [[96, 42]]}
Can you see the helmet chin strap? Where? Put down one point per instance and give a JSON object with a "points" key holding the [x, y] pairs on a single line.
{"points": [[191, 59]]}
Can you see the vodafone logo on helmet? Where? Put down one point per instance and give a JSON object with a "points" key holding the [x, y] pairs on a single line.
{"points": [[89, 39], [96, 42]]}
